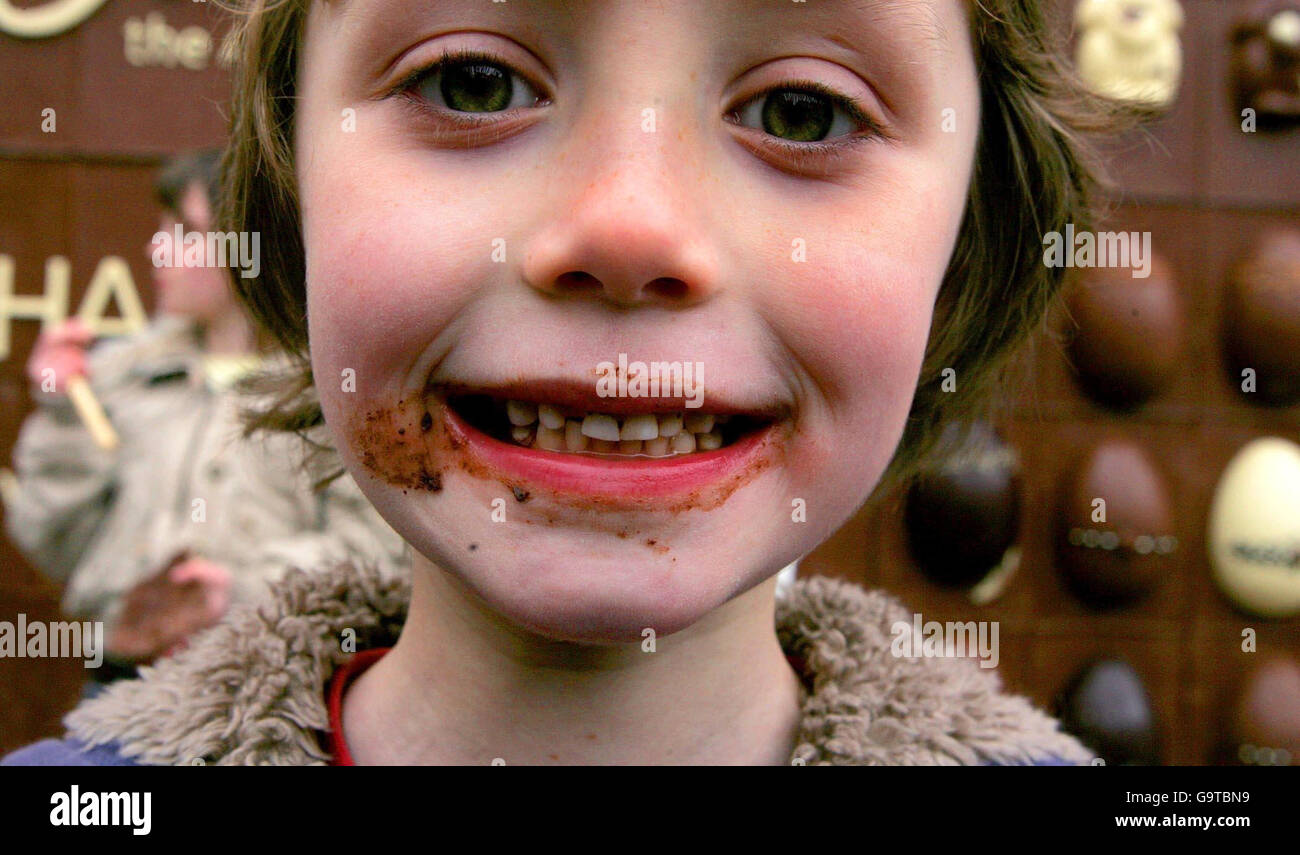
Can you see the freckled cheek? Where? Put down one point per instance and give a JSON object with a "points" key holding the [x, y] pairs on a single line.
{"points": [[381, 286], [861, 327]]}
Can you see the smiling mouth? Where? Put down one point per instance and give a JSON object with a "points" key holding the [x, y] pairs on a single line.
{"points": [[566, 429]]}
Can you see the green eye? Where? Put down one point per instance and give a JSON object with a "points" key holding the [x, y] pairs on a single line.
{"points": [[801, 114], [474, 84]]}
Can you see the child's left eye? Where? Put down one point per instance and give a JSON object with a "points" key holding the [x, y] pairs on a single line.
{"points": [[803, 113], [472, 82]]}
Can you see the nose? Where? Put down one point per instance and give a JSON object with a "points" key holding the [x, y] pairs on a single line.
{"points": [[632, 234]]}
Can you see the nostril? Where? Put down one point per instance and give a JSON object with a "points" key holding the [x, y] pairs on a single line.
{"points": [[673, 289], [576, 280], [664, 288]]}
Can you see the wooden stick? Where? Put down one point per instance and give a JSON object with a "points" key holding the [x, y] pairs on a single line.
{"points": [[92, 414], [9, 486]]}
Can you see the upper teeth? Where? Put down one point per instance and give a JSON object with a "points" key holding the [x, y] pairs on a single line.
{"points": [[599, 426], [645, 433], [641, 427], [699, 422], [550, 417], [521, 413], [670, 426]]}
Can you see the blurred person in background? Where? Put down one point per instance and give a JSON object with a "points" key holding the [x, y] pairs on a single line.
{"points": [[158, 537]]}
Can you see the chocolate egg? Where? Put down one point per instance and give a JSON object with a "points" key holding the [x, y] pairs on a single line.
{"points": [[1114, 526], [1254, 528], [1107, 707], [1262, 319], [963, 514], [1130, 331], [1266, 63], [1265, 719]]}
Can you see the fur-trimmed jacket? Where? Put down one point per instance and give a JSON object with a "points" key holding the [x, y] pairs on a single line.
{"points": [[252, 690]]}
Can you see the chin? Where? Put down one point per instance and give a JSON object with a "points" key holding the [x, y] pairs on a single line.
{"points": [[572, 574], [577, 545], [596, 600]]}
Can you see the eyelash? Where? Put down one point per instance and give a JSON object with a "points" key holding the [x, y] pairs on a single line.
{"points": [[406, 86], [822, 148], [799, 151]]}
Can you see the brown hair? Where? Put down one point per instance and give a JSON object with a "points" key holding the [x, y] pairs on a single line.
{"points": [[201, 167], [1031, 175]]}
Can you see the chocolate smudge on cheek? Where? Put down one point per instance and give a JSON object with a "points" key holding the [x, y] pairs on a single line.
{"points": [[380, 441]]}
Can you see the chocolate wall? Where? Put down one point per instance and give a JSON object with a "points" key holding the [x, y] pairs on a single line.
{"points": [[1204, 189], [134, 82]]}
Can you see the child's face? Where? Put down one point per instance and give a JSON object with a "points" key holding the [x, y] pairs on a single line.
{"points": [[201, 293], [637, 179]]}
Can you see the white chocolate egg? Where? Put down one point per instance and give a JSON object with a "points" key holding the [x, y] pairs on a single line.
{"points": [[1254, 528]]}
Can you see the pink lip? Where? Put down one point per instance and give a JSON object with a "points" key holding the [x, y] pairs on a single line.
{"points": [[630, 481]]}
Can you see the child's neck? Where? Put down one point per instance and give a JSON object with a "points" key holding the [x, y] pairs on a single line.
{"points": [[462, 687]]}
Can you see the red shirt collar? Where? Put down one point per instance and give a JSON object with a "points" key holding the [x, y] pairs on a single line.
{"points": [[348, 672]]}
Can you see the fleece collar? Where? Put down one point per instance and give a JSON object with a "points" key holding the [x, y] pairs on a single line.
{"points": [[251, 691]]}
